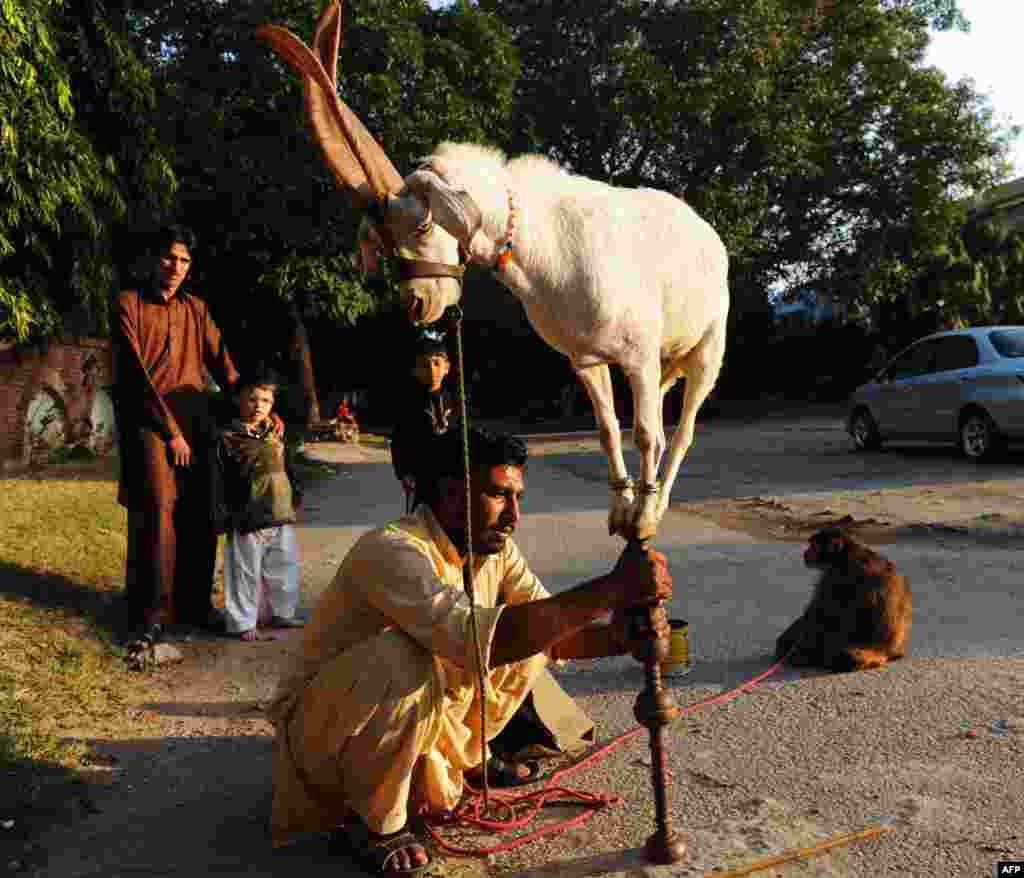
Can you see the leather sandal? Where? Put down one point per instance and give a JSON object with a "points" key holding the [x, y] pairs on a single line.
{"points": [[374, 852], [506, 774]]}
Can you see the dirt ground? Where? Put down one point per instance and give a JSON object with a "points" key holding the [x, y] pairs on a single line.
{"points": [[777, 478]]}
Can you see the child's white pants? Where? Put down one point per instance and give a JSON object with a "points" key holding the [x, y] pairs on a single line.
{"points": [[260, 567]]}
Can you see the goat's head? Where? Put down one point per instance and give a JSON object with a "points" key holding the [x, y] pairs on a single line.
{"points": [[425, 234], [422, 218]]}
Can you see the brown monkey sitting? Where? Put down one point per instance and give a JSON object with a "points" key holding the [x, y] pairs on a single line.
{"points": [[859, 616]]}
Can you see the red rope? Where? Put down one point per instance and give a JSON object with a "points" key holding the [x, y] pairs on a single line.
{"points": [[468, 810]]}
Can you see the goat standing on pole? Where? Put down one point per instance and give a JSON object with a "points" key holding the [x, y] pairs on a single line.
{"points": [[605, 274]]}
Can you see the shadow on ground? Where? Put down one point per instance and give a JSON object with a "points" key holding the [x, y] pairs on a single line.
{"points": [[35, 796], [210, 817], [52, 591]]}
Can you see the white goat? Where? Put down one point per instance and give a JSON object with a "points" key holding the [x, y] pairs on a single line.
{"points": [[605, 274]]}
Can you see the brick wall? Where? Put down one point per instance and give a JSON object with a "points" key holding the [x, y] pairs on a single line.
{"points": [[54, 395]]}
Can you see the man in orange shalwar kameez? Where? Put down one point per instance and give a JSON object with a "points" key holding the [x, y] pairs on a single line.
{"points": [[379, 713]]}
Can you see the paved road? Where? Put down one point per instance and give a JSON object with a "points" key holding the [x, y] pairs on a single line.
{"points": [[797, 760]]}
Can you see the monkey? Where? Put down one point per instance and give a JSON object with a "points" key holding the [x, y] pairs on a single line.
{"points": [[860, 614]]}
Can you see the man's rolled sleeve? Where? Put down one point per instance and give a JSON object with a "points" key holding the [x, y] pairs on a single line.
{"points": [[519, 584], [434, 613]]}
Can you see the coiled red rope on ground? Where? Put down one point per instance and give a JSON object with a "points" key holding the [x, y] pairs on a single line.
{"points": [[468, 811]]}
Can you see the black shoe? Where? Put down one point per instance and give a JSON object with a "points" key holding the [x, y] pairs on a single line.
{"points": [[213, 622], [143, 636]]}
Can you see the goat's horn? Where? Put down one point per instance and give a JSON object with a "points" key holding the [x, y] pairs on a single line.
{"points": [[380, 173], [349, 149], [327, 39]]}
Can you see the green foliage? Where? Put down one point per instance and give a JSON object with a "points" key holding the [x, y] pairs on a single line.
{"points": [[74, 160], [810, 133], [327, 285], [273, 225], [803, 130]]}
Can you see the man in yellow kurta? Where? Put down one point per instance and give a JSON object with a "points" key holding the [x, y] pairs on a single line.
{"points": [[379, 713]]}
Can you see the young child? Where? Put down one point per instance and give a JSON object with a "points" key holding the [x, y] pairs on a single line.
{"points": [[426, 410], [257, 512]]}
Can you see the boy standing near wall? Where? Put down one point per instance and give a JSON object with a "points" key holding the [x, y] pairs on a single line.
{"points": [[256, 509]]}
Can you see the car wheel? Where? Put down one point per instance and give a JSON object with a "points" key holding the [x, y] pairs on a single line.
{"points": [[979, 438], [864, 431]]}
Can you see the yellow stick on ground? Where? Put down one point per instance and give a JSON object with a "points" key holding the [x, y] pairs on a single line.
{"points": [[800, 853]]}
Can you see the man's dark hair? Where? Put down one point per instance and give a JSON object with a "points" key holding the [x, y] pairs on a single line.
{"points": [[173, 233], [441, 457]]}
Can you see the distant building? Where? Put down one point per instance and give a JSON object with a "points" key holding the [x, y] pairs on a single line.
{"points": [[808, 312], [1004, 204]]}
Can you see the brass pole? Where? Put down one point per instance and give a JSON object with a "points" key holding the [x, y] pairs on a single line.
{"points": [[655, 708]]}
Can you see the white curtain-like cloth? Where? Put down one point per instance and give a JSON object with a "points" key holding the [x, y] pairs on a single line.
{"points": [[260, 568]]}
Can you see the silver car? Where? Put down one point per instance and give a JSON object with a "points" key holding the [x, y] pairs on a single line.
{"points": [[964, 386]]}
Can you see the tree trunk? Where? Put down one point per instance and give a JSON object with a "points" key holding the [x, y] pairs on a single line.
{"points": [[302, 356]]}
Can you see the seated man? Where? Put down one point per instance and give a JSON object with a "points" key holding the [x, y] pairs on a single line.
{"points": [[380, 713]]}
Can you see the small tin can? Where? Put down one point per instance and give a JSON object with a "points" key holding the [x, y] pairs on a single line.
{"points": [[677, 664]]}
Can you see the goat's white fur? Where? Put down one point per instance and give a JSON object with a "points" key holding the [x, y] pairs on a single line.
{"points": [[605, 274]]}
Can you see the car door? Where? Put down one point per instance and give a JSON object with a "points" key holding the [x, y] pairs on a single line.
{"points": [[899, 391], [953, 367]]}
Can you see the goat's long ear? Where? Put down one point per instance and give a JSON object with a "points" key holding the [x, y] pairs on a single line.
{"points": [[453, 209], [350, 151]]}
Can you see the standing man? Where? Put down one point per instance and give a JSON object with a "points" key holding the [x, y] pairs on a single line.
{"points": [[164, 340]]}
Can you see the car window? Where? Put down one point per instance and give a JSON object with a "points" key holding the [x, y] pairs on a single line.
{"points": [[1008, 342], [955, 352], [913, 362]]}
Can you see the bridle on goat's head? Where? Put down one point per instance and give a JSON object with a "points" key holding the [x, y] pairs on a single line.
{"points": [[410, 269], [413, 269]]}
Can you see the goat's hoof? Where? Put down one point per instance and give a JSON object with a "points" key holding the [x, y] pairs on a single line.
{"points": [[645, 524]]}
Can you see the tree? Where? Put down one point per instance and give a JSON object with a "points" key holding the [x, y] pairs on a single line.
{"points": [[274, 226], [78, 159], [803, 130]]}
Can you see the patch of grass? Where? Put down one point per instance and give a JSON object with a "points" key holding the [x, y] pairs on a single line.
{"points": [[62, 549], [70, 526], [19, 741]]}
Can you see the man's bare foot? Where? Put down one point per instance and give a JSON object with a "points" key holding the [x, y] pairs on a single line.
{"points": [[250, 635]]}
